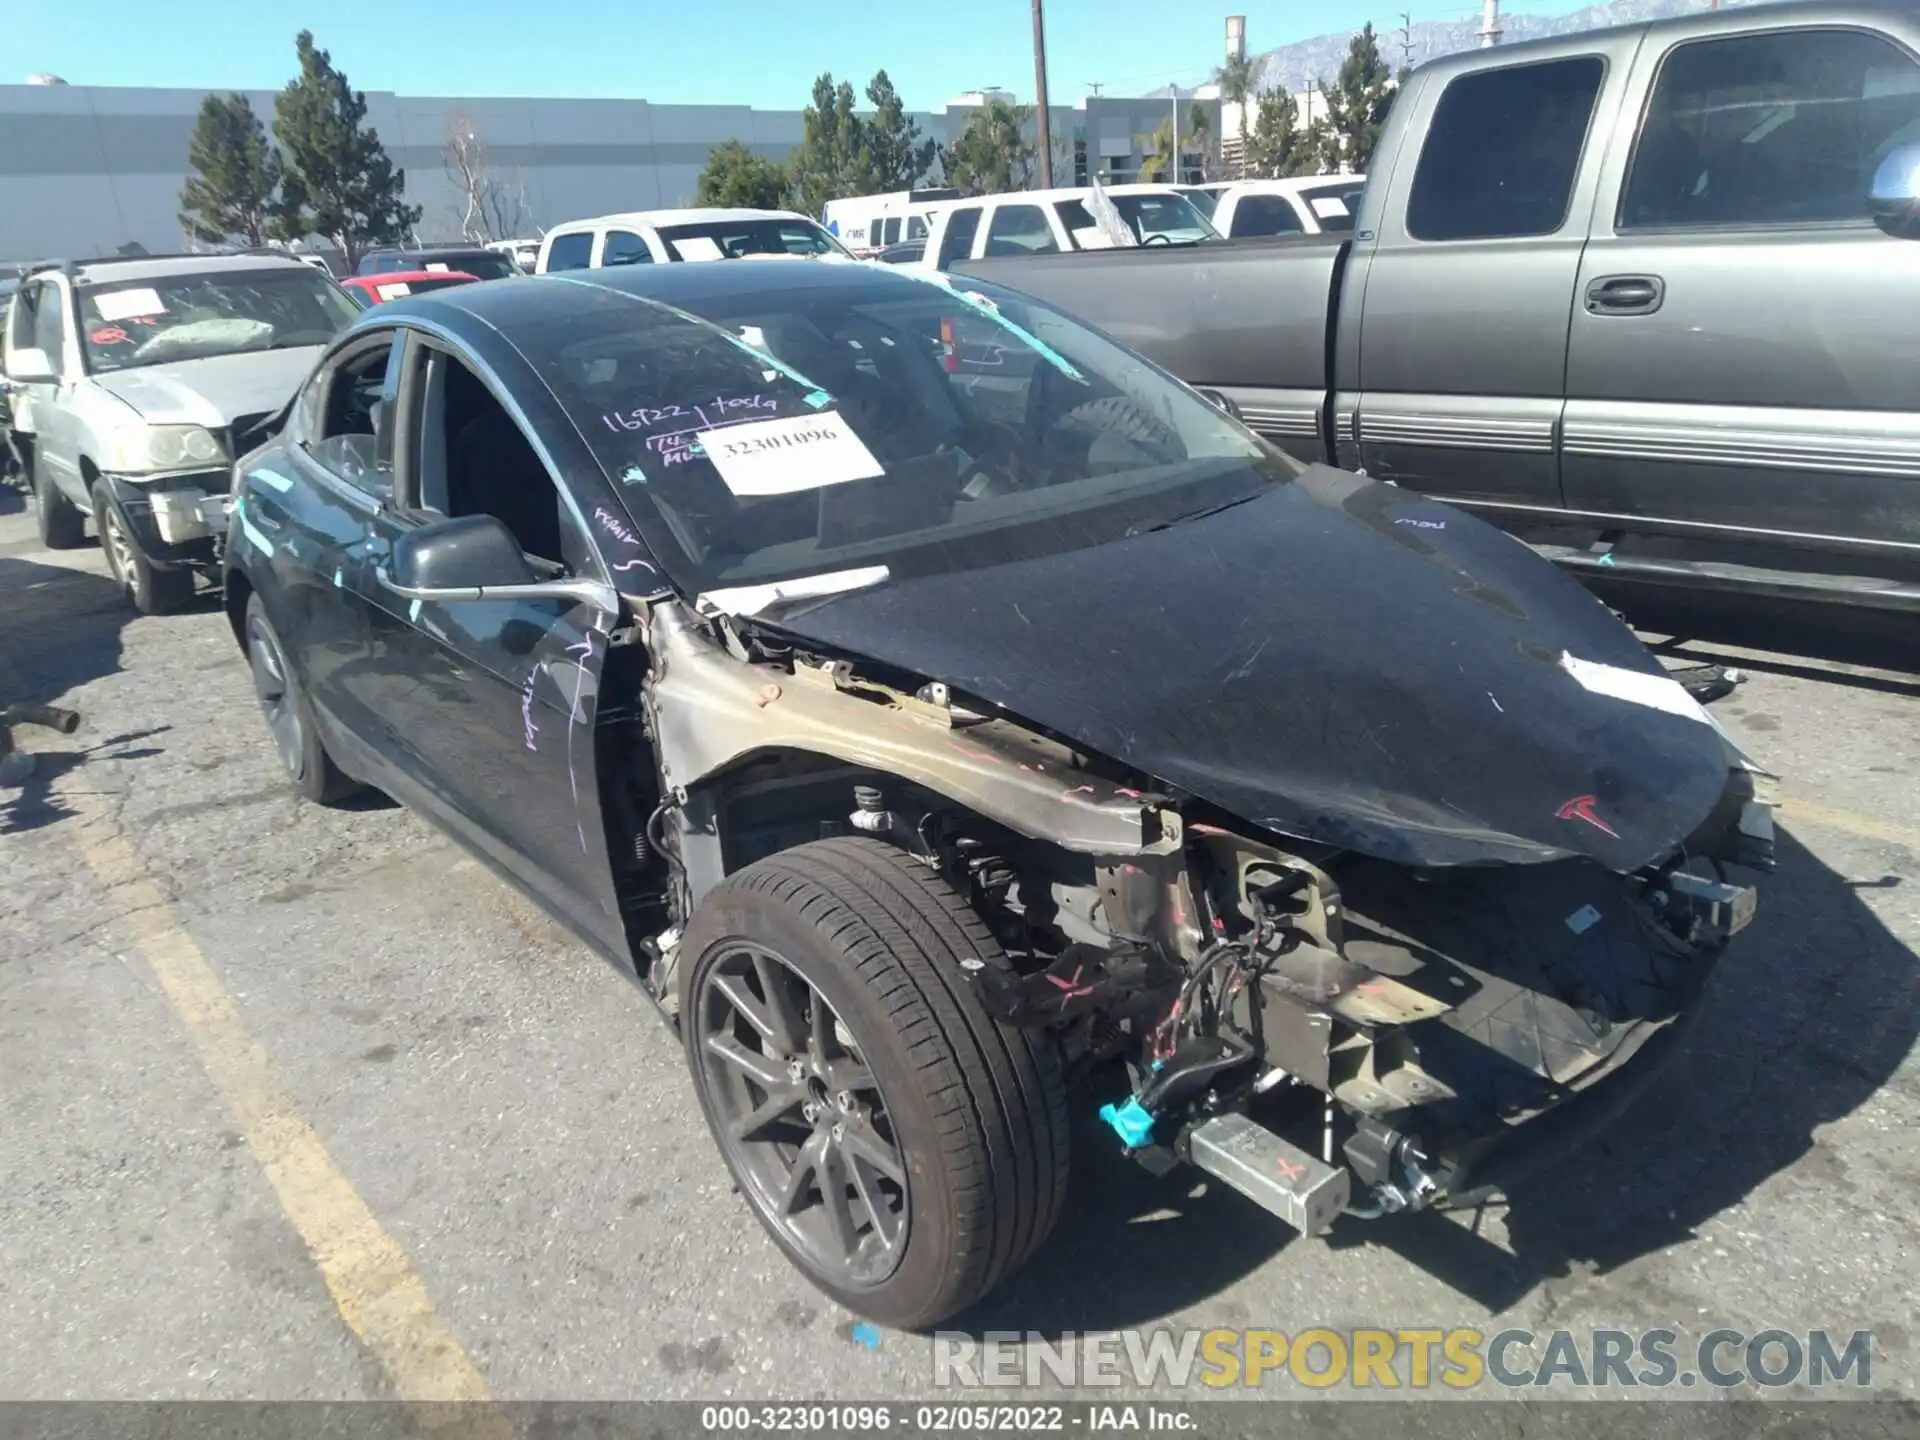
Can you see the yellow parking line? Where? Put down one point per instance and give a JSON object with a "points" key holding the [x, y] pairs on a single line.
{"points": [[1852, 822], [379, 1295]]}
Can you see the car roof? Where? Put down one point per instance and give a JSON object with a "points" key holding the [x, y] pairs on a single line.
{"points": [[159, 268], [697, 216], [1066, 192], [1292, 185], [512, 305]]}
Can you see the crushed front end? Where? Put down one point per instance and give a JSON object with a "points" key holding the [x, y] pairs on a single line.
{"points": [[1332, 1033]]}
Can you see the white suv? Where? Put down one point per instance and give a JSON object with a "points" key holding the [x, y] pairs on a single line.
{"points": [[137, 384]]}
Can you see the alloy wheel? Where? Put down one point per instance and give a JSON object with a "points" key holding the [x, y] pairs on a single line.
{"points": [[278, 701], [119, 547], [801, 1117]]}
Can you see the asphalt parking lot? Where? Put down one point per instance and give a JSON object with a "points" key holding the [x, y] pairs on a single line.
{"points": [[303, 1104]]}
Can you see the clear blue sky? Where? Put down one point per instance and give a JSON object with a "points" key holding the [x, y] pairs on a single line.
{"points": [[763, 53]]}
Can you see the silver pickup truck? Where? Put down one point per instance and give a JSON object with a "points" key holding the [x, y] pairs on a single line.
{"points": [[1642, 296], [135, 385]]}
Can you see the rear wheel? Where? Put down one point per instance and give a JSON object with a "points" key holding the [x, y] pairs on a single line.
{"points": [[289, 717], [61, 525], [905, 1150], [150, 589]]}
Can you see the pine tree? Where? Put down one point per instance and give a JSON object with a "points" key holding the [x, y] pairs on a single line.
{"points": [[236, 174], [897, 157], [1276, 145], [993, 152], [738, 177], [1357, 101], [339, 182], [832, 159]]}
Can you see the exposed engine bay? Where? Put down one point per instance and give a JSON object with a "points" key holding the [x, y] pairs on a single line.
{"points": [[1326, 1030]]}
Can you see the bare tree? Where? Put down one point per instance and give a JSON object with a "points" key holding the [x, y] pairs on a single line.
{"points": [[487, 209]]}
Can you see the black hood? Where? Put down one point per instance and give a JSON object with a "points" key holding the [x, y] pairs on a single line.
{"points": [[1337, 660]]}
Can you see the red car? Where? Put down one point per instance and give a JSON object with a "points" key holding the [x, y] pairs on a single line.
{"points": [[371, 290]]}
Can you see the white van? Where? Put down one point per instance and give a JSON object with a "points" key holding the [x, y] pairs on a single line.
{"points": [[867, 224], [1042, 222], [649, 237]]}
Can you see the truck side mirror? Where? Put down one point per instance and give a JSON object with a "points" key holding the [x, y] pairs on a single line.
{"points": [[30, 367], [1894, 201]]}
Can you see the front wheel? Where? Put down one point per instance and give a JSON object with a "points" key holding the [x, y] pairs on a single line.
{"points": [[905, 1150], [151, 589]]}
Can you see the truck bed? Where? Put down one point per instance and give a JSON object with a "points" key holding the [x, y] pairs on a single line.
{"points": [[1249, 318]]}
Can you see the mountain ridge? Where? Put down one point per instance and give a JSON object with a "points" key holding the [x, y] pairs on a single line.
{"points": [[1318, 58]]}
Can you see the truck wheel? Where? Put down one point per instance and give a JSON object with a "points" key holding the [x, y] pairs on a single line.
{"points": [[289, 716], [152, 590], [62, 526], [905, 1150]]}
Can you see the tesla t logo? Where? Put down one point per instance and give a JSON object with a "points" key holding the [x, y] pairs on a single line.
{"points": [[1580, 807]]}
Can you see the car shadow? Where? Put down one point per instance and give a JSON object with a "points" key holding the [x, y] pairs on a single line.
{"points": [[1830, 643], [59, 629], [1810, 1012]]}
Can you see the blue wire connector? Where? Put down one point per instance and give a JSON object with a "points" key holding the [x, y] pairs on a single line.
{"points": [[1131, 1121]]}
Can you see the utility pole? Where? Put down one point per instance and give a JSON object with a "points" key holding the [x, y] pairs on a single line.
{"points": [[1043, 122], [1406, 39], [1174, 89], [1096, 86], [1490, 24]]}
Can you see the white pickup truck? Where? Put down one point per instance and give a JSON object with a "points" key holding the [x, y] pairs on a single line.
{"points": [[137, 383], [1048, 222]]}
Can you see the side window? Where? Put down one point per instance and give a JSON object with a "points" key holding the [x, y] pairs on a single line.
{"points": [[1502, 151], [49, 327], [892, 233], [916, 228], [475, 460], [1265, 215], [1778, 128], [352, 401], [1020, 230], [570, 252], [957, 241], [622, 247]]}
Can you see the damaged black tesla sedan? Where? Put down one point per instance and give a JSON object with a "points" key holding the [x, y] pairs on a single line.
{"points": [[949, 720]]}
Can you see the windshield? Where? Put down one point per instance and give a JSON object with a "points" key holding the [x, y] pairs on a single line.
{"points": [[488, 265], [1156, 219], [193, 316], [1205, 201], [1335, 203], [889, 421], [731, 239]]}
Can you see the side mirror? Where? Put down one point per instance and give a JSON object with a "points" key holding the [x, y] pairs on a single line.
{"points": [[1894, 201], [475, 557], [30, 367]]}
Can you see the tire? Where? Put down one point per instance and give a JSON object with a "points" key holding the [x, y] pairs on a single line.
{"points": [[61, 525], [975, 1111], [289, 715], [149, 588]]}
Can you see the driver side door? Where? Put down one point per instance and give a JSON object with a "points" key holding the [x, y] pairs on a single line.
{"points": [[493, 704]]}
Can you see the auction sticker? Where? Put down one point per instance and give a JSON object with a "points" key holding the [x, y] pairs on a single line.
{"points": [[128, 304], [778, 457]]}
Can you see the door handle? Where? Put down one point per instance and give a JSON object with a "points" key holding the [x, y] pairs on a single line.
{"points": [[1626, 295]]}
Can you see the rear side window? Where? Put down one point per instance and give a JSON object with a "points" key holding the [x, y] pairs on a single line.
{"points": [[1502, 151], [916, 228], [1020, 230], [1777, 128], [957, 243], [623, 247], [1265, 215], [570, 252]]}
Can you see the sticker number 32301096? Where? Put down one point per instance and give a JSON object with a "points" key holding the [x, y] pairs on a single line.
{"points": [[778, 457]]}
